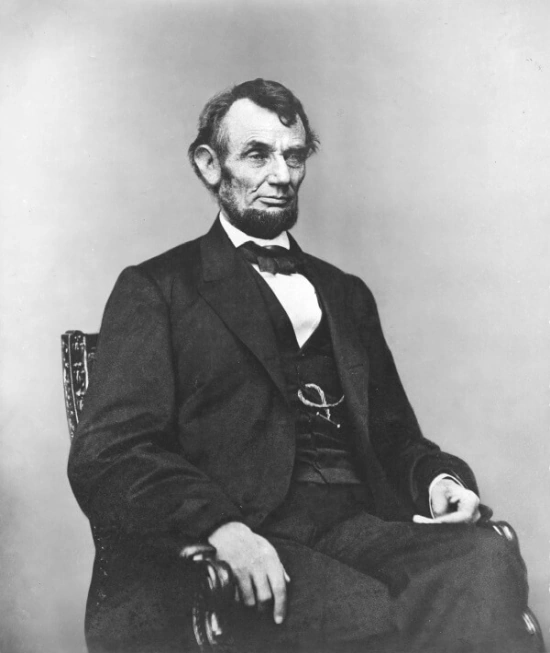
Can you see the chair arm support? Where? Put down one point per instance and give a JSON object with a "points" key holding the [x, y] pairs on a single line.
{"points": [[213, 599], [504, 529]]}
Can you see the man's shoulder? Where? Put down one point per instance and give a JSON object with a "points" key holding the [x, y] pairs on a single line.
{"points": [[338, 276], [325, 266], [178, 259], [176, 269]]}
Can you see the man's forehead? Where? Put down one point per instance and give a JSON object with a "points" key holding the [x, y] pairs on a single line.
{"points": [[246, 121]]}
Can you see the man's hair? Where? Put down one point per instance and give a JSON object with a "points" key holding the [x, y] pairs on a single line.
{"points": [[266, 94]]}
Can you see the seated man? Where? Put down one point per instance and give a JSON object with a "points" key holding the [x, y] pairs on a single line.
{"points": [[244, 395]]}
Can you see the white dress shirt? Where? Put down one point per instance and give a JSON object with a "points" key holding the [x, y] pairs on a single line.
{"points": [[296, 293]]}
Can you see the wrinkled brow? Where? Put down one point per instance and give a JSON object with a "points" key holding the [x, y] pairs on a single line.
{"points": [[258, 145], [261, 145]]}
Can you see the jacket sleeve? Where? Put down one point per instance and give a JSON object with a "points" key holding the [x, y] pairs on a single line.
{"points": [[126, 466], [410, 461]]}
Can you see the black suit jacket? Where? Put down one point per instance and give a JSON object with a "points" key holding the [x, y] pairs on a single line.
{"points": [[186, 423]]}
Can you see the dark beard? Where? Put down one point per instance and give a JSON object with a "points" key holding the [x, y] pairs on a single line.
{"points": [[258, 223], [262, 224]]}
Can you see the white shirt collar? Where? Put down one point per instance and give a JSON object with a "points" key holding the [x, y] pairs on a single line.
{"points": [[238, 237]]}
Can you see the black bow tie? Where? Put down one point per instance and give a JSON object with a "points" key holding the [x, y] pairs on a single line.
{"points": [[273, 259]]}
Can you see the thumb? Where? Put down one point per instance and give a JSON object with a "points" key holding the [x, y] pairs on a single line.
{"points": [[420, 519]]}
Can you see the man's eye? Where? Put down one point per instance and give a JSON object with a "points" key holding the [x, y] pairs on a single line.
{"points": [[295, 160], [257, 156]]}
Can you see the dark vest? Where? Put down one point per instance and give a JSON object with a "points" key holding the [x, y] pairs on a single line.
{"points": [[323, 449]]}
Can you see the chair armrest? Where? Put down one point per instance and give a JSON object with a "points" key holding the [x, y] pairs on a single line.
{"points": [[504, 529], [213, 600]]}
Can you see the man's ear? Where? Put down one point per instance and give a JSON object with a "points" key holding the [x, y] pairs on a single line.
{"points": [[209, 165]]}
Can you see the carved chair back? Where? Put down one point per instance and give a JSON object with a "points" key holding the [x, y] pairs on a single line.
{"points": [[78, 351]]}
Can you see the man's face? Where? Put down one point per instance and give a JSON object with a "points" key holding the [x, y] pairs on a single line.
{"points": [[262, 171]]}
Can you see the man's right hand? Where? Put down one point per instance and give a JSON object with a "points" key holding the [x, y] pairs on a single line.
{"points": [[256, 566]]}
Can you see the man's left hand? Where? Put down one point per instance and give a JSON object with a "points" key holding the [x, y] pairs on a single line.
{"points": [[451, 504]]}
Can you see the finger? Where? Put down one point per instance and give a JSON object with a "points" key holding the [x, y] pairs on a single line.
{"points": [[246, 590], [278, 590], [458, 517], [287, 577], [440, 496], [448, 502], [262, 589], [420, 519], [469, 505], [451, 518]]}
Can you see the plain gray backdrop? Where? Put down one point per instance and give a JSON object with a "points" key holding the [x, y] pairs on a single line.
{"points": [[431, 184]]}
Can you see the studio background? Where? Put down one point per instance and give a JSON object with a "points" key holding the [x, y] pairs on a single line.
{"points": [[431, 184]]}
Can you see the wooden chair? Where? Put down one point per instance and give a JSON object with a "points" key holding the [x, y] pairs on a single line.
{"points": [[214, 587]]}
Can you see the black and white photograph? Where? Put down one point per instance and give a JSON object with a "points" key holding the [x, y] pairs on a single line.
{"points": [[274, 326]]}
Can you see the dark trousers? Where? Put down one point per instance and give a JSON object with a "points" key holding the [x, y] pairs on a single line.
{"points": [[361, 584]]}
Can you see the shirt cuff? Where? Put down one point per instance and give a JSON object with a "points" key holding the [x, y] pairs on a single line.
{"points": [[438, 478]]}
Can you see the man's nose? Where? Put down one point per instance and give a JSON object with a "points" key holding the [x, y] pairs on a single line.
{"points": [[279, 173]]}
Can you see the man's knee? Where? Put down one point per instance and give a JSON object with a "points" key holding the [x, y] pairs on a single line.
{"points": [[497, 566], [330, 602], [496, 549]]}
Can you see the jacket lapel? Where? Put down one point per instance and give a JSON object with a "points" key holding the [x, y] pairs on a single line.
{"points": [[229, 287], [353, 367], [350, 355]]}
